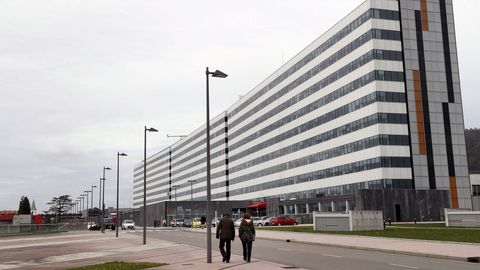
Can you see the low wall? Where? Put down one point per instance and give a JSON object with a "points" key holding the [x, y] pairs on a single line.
{"points": [[462, 218], [331, 221], [351, 221], [476, 203], [366, 220]]}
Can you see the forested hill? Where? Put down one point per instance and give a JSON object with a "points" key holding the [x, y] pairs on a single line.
{"points": [[472, 141]]}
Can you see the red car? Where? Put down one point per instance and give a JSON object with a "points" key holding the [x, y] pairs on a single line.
{"points": [[283, 220]]}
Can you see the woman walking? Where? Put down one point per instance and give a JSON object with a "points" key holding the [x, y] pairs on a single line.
{"points": [[246, 233]]}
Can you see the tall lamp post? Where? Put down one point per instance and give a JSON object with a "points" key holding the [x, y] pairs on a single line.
{"points": [[88, 213], [175, 188], [216, 74], [103, 197], [145, 182], [118, 181], [191, 188], [92, 197], [100, 195]]}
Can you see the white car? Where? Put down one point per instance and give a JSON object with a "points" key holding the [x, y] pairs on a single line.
{"points": [[128, 224], [91, 224], [265, 222], [238, 222]]}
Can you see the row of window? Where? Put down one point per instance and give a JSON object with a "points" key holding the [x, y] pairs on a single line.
{"points": [[323, 65], [281, 152], [373, 54], [331, 153], [325, 155], [332, 115], [349, 189], [374, 75], [350, 127], [197, 144], [372, 33], [371, 13], [363, 165], [139, 170], [202, 133], [362, 60], [294, 131]]}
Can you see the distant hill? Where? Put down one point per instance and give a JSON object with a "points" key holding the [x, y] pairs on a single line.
{"points": [[472, 141]]}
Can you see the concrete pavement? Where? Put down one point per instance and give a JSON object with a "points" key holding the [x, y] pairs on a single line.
{"points": [[433, 249], [61, 251]]}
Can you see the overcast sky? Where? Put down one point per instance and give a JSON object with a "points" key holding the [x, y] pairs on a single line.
{"points": [[80, 79]]}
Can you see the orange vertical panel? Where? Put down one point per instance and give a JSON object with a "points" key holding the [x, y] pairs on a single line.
{"points": [[453, 191], [424, 13], [419, 111]]}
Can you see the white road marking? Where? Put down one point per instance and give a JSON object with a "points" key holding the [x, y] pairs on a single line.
{"points": [[334, 256], [401, 265], [284, 249]]}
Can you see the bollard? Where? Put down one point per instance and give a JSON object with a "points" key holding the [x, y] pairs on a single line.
{"points": [[415, 220], [384, 223], [389, 221]]}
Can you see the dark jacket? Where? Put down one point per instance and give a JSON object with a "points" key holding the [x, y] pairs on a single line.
{"points": [[246, 232], [226, 229]]}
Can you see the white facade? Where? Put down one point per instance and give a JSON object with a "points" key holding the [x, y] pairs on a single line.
{"points": [[332, 119]]}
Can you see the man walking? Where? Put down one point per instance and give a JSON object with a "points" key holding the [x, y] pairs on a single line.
{"points": [[226, 234]]}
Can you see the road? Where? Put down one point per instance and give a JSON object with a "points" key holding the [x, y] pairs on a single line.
{"points": [[316, 256]]}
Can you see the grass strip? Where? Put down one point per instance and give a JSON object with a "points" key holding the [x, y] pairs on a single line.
{"points": [[119, 266], [421, 233]]}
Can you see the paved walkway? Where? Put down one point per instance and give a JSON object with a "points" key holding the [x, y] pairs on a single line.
{"points": [[434, 249], [66, 250]]}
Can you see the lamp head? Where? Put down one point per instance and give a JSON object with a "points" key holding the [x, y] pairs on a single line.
{"points": [[152, 129], [107, 168], [122, 154], [218, 74]]}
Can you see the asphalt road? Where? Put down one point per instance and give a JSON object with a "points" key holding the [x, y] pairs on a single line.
{"points": [[316, 256]]}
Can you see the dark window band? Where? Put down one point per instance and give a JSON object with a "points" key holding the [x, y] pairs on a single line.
{"points": [[371, 13], [373, 33], [364, 165]]}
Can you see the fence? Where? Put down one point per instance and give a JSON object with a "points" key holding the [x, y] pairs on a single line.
{"points": [[41, 228]]}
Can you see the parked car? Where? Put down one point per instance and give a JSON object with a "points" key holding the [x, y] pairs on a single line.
{"points": [[128, 224], [91, 224], [187, 223], [255, 220], [283, 220], [196, 223], [176, 223], [261, 221], [266, 222]]}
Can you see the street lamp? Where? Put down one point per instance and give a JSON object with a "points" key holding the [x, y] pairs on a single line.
{"points": [[175, 188], [118, 181], [145, 183], [82, 204], [216, 74], [92, 196], [191, 188], [103, 197], [100, 195], [88, 214]]}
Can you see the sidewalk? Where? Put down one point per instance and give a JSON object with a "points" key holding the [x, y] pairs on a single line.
{"points": [[66, 250], [425, 248]]}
